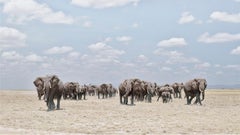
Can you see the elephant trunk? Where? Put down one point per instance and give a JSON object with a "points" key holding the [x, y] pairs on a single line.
{"points": [[203, 95]]}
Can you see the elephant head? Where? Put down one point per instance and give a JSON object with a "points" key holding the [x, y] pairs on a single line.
{"points": [[202, 87], [49, 83], [39, 83]]}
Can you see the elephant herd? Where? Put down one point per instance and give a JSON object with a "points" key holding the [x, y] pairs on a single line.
{"points": [[51, 87]]}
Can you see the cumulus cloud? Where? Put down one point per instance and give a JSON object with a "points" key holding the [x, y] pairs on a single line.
{"points": [[33, 58], [59, 50], [173, 56], [103, 3], [87, 24], [11, 55], [15, 56], [236, 51], [218, 37], [165, 69], [20, 11], [135, 25], [172, 42], [124, 39], [105, 53], [186, 18], [10, 37], [162, 52], [202, 65], [225, 17], [142, 58]]}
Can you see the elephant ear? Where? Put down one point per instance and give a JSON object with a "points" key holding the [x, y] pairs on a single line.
{"points": [[55, 79], [37, 80]]}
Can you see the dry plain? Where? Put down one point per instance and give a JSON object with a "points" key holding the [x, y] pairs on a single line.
{"points": [[22, 113]]}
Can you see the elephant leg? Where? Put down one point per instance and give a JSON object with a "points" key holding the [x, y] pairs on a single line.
{"points": [[158, 98], [39, 96], [132, 98], [198, 99], [188, 100], [120, 99], [125, 100], [58, 103], [84, 96]]}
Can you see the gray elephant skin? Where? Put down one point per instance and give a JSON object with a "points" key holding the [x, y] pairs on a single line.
{"points": [[194, 88], [53, 88]]}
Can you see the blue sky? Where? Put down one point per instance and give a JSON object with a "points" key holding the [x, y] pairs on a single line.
{"points": [[98, 41]]}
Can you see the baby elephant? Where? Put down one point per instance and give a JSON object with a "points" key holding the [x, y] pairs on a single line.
{"points": [[166, 96]]}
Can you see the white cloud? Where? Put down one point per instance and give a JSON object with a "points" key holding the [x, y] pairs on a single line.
{"points": [[124, 39], [74, 54], [103, 3], [218, 38], [225, 17], [165, 69], [203, 65], [10, 37], [87, 24], [163, 52], [142, 58], [173, 57], [135, 25], [236, 51], [33, 58], [20, 11], [233, 67], [186, 18], [105, 53], [11, 55], [59, 50], [172, 42]]}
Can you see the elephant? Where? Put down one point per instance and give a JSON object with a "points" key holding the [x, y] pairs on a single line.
{"points": [[39, 83], [82, 91], [114, 91], [70, 90], [194, 88], [177, 89], [91, 89], [103, 89], [53, 88], [202, 86], [166, 96], [165, 88], [149, 90], [131, 87]]}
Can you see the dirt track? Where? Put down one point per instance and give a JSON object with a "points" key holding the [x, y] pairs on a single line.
{"points": [[22, 113]]}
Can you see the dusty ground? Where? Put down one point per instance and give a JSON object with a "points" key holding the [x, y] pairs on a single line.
{"points": [[22, 113]]}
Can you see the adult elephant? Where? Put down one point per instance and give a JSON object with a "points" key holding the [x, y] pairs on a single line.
{"points": [[128, 88], [177, 87], [149, 90], [165, 88], [82, 91], [202, 87], [102, 90], [53, 88], [166, 96], [194, 88], [70, 90], [39, 83]]}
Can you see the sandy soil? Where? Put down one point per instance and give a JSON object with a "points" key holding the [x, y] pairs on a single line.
{"points": [[22, 113]]}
